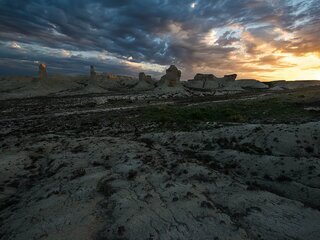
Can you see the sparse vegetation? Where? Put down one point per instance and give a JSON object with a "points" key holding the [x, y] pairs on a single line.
{"points": [[273, 110], [161, 167]]}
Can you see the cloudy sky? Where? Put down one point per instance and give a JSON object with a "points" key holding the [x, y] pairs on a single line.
{"points": [[263, 39]]}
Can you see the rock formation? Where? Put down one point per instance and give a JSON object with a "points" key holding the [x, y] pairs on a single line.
{"points": [[210, 81], [211, 77], [170, 84], [144, 82], [226, 83], [92, 72], [144, 77], [231, 77], [94, 82], [172, 77], [43, 71], [204, 77], [251, 84]]}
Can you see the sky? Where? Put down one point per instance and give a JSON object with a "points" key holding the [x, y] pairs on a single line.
{"points": [[261, 39]]}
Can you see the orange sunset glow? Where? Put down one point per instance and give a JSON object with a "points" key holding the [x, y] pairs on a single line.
{"points": [[263, 40], [160, 119]]}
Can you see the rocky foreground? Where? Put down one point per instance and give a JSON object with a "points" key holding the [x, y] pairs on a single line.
{"points": [[108, 175]]}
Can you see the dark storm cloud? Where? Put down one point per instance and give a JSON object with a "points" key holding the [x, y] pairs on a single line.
{"points": [[152, 31]]}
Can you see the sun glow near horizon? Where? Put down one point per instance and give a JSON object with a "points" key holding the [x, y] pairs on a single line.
{"points": [[303, 68], [201, 37]]}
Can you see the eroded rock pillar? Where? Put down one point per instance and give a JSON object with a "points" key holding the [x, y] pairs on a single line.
{"points": [[43, 71], [92, 71]]}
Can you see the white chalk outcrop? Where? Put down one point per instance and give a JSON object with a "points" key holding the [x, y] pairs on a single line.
{"points": [[170, 83], [228, 83], [211, 82], [145, 82]]}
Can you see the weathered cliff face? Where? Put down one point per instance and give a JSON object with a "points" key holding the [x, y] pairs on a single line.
{"points": [[210, 81]]}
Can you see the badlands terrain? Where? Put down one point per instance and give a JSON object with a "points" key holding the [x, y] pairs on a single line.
{"points": [[113, 157]]}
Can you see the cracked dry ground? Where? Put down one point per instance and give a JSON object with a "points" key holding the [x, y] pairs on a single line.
{"points": [[97, 176]]}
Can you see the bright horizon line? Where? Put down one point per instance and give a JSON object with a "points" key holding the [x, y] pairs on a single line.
{"points": [[134, 76]]}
